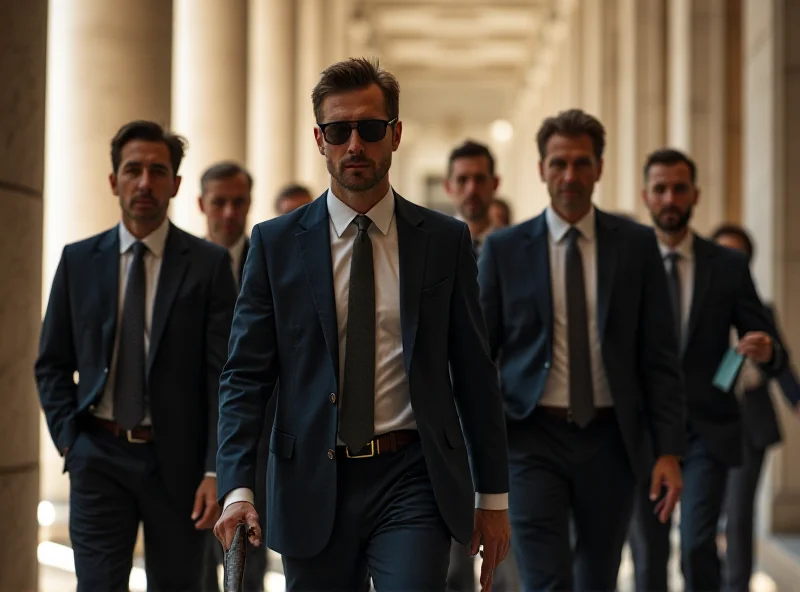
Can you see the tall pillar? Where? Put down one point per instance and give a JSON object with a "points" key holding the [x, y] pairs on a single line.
{"points": [[697, 103], [270, 105], [309, 164], [771, 210], [641, 111], [23, 47], [209, 94], [107, 63], [337, 15]]}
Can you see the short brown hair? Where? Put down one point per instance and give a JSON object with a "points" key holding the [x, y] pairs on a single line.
{"points": [[572, 122], [148, 131], [356, 74], [470, 149]]}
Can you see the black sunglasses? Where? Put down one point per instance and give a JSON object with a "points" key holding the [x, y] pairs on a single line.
{"points": [[369, 130]]}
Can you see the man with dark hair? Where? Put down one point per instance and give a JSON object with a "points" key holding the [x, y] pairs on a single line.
{"points": [[593, 394], [500, 213], [141, 314], [365, 306], [291, 197], [710, 291]]}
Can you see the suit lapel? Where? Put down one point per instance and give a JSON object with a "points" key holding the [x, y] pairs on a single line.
{"points": [[243, 260], [314, 242], [703, 272], [412, 243], [107, 258], [538, 252], [606, 267], [173, 268]]}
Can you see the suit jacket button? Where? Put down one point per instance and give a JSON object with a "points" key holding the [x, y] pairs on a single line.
{"points": [[330, 454], [547, 365], [105, 370], [332, 398]]}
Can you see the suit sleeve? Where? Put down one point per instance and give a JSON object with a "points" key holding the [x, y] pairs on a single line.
{"points": [[660, 369], [218, 329], [249, 377], [56, 363], [490, 296], [787, 380], [475, 380], [750, 314]]}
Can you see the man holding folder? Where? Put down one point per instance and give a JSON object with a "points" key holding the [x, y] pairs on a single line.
{"points": [[711, 291]]}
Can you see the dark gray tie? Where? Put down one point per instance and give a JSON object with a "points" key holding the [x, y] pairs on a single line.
{"points": [[129, 385], [581, 391], [357, 414], [674, 281]]}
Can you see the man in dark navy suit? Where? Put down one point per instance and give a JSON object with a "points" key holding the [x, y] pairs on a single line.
{"points": [[710, 291], [365, 306], [142, 314], [578, 321], [761, 431]]}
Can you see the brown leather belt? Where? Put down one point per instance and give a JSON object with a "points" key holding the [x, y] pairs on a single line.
{"points": [[138, 435], [565, 413], [383, 444]]}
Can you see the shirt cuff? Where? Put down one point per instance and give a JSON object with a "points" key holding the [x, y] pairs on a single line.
{"points": [[211, 474], [240, 494], [491, 501]]}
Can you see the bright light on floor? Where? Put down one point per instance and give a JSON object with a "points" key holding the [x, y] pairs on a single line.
{"points": [[46, 513], [761, 582], [61, 557]]}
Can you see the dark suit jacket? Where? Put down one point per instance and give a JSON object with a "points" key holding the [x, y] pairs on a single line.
{"points": [[724, 297], [189, 335], [634, 325], [285, 326]]}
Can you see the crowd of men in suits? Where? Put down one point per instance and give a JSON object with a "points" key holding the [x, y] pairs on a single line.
{"points": [[382, 392]]}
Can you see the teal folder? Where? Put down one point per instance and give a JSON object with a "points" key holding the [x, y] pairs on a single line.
{"points": [[728, 370]]}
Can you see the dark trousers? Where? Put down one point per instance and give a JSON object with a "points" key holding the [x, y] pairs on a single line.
{"points": [[570, 502], [387, 525], [704, 480], [114, 486], [740, 494], [461, 574]]}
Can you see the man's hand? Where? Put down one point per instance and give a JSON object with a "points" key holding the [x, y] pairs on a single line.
{"points": [[234, 515], [494, 533], [757, 346], [666, 473], [206, 508]]}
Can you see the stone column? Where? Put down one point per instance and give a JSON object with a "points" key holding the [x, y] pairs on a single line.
{"points": [[270, 104], [209, 94], [108, 63], [23, 49], [697, 102], [309, 164]]}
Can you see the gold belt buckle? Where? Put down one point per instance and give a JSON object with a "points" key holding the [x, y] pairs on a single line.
{"points": [[369, 454], [132, 440]]}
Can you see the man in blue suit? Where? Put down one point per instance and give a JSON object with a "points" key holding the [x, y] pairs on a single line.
{"points": [[711, 291], [142, 313], [579, 323], [361, 303]]}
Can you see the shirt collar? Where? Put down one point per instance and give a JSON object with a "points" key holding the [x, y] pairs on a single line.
{"points": [[685, 248], [155, 241], [559, 227], [342, 215], [236, 248]]}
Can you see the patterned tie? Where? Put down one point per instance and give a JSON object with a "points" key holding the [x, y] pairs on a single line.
{"points": [[581, 391], [674, 282], [357, 414], [129, 386]]}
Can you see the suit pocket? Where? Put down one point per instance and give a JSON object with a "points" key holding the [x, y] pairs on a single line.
{"points": [[437, 288], [281, 444], [452, 433]]}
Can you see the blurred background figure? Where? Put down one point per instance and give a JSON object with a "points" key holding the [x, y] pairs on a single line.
{"points": [[500, 213], [292, 197]]}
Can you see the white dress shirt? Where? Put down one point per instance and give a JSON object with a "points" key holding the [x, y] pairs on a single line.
{"points": [[556, 390], [686, 265], [153, 256], [393, 409], [236, 251]]}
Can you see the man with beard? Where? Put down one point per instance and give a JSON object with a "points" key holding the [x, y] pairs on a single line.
{"points": [[588, 370], [710, 291], [365, 306], [141, 313], [470, 185]]}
